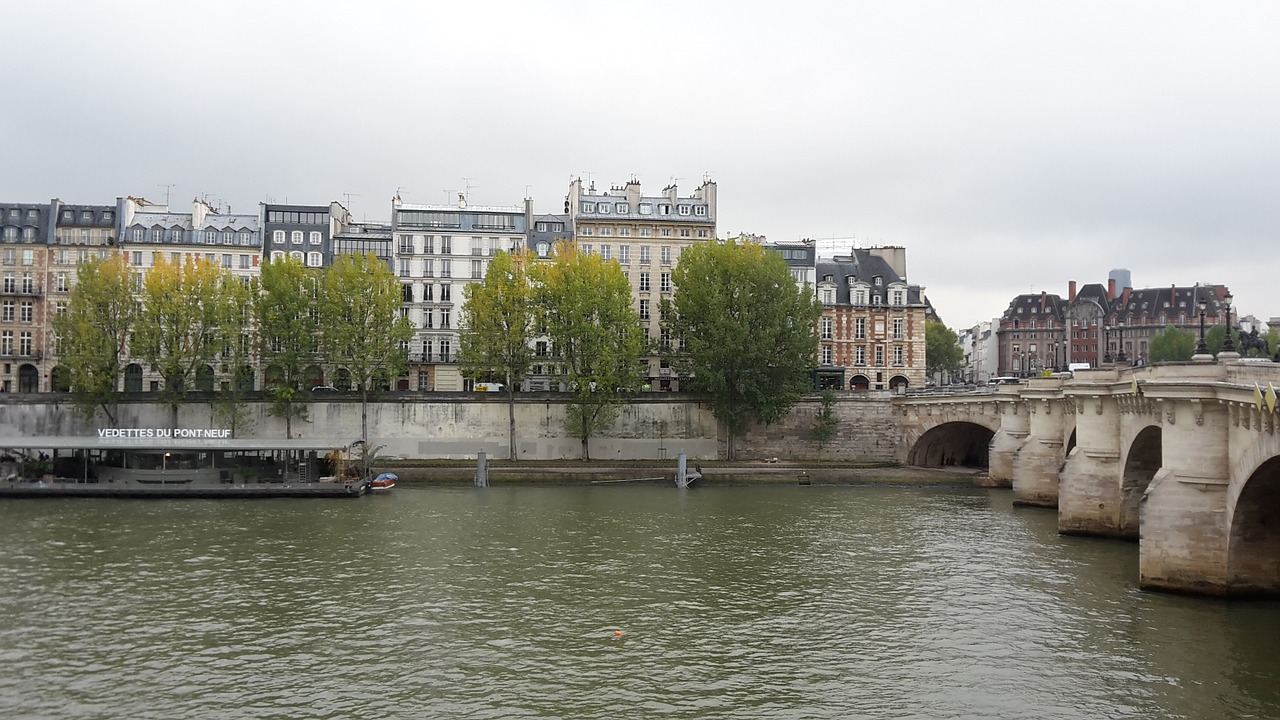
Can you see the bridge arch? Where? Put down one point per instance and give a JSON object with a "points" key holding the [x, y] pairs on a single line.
{"points": [[1253, 550], [1144, 458], [952, 443]]}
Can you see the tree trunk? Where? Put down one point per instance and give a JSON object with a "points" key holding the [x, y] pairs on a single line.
{"points": [[288, 422], [586, 449], [511, 420]]}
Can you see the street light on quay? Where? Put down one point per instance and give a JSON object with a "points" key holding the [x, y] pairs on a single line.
{"points": [[1120, 358], [1106, 340], [1202, 348], [1227, 344]]}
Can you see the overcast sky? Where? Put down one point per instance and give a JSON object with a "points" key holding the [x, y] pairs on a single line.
{"points": [[1009, 146]]}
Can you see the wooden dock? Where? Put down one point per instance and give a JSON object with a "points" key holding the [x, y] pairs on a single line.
{"points": [[248, 491]]}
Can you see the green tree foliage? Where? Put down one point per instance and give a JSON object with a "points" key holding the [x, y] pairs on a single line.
{"points": [[1172, 344], [498, 329], [93, 333], [942, 354], [825, 424], [230, 406], [190, 312], [360, 324], [747, 335], [1215, 336], [595, 333], [288, 336]]}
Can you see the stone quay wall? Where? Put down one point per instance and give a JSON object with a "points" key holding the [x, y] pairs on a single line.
{"points": [[459, 425]]}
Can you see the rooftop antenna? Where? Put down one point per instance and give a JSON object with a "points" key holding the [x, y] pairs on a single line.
{"points": [[526, 191], [347, 196], [466, 188], [167, 189]]}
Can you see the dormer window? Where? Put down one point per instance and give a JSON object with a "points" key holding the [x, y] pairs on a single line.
{"points": [[588, 207], [878, 281]]}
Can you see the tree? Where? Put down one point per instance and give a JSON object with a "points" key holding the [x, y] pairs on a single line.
{"points": [[93, 333], [745, 333], [1171, 345], [230, 407], [288, 336], [595, 335], [498, 329], [1215, 336], [190, 312], [360, 324], [824, 426], [942, 353]]}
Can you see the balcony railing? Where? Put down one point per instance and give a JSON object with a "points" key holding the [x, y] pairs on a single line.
{"points": [[436, 358], [29, 290]]}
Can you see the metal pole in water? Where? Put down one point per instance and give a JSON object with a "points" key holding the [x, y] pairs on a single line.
{"points": [[682, 468], [482, 469]]}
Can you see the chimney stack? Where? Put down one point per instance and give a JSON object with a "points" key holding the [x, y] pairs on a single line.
{"points": [[1071, 291], [1111, 288]]}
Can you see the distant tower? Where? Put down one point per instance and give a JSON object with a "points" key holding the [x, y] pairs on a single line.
{"points": [[1122, 277]]}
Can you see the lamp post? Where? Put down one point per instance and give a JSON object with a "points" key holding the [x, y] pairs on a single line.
{"points": [[1227, 344], [1106, 339], [1120, 358], [1202, 348]]}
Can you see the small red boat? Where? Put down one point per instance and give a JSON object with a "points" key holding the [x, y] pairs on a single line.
{"points": [[384, 481]]}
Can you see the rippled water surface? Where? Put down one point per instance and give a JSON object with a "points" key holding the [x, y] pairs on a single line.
{"points": [[790, 602]]}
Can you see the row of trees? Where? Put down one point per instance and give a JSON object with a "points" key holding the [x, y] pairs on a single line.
{"points": [[183, 317], [1176, 344], [737, 328]]}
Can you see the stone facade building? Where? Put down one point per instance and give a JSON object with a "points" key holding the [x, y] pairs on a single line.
{"points": [[1098, 324], [439, 250], [25, 233], [645, 234]]}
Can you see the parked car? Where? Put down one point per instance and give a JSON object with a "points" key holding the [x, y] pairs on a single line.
{"points": [[489, 387], [321, 389]]}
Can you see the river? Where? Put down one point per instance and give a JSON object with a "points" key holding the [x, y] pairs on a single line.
{"points": [[507, 602]]}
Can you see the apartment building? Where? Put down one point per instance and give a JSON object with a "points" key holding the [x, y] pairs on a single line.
{"points": [[25, 231], [80, 233], [302, 232], [439, 250], [646, 235]]}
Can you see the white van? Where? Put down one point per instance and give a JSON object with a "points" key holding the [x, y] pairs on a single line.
{"points": [[489, 387]]}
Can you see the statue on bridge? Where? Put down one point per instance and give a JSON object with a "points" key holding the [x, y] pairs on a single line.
{"points": [[1252, 341]]}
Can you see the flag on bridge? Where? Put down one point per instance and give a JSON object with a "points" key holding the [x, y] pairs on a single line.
{"points": [[1271, 397], [1257, 397]]}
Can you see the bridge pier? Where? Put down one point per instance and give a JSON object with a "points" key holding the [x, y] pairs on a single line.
{"points": [[1089, 498], [1035, 470], [1009, 439], [1185, 518]]}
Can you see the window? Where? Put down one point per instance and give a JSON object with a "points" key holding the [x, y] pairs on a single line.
{"points": [[444, 318], [445, 292], [226, 260], [428, 320], [24, 342], [606, 232], [606, 252], [406, 245], [28, 311], [644, 309], [588, 232], [446, 245], [424, 377], [624, 254], [899, 328], [646, 208], [315, 238], [665, 254], [428, 244], [6, 342], [277, 255], [588, 207], [406, 292], [60, 282], [314, 259], [28, 283], [703, 234], [644, 282], [244, 262], [428, 292], [137, 258], [860, 355], [8, 311], [860, 328], [897, 354], [28, 257], [446, 268], [277, 237], [644, 254], [296, 237], [646, 232], [603, 208], [586, 249], [477, 269], [700, 210], [664, 209], [684, 209], [879, 355], [826, 328], [828, 296], [428, 268], [664, 282], [826, 354]]}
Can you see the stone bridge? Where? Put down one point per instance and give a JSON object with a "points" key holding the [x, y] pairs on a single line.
{"points": [[1182, 457]]}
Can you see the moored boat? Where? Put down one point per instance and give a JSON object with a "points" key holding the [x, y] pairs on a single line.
{"points": [[384, 481]]}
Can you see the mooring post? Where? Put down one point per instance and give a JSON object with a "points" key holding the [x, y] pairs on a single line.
{"points": [[482, 469], [682, 477]]}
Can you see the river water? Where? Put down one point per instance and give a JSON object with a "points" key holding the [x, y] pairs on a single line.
{"points": [[506, 602]]}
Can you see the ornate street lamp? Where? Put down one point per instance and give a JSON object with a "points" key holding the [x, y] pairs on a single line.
{"points": [[1106, 339], [1201, 347], [1227, 344], [1120, 358]]}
